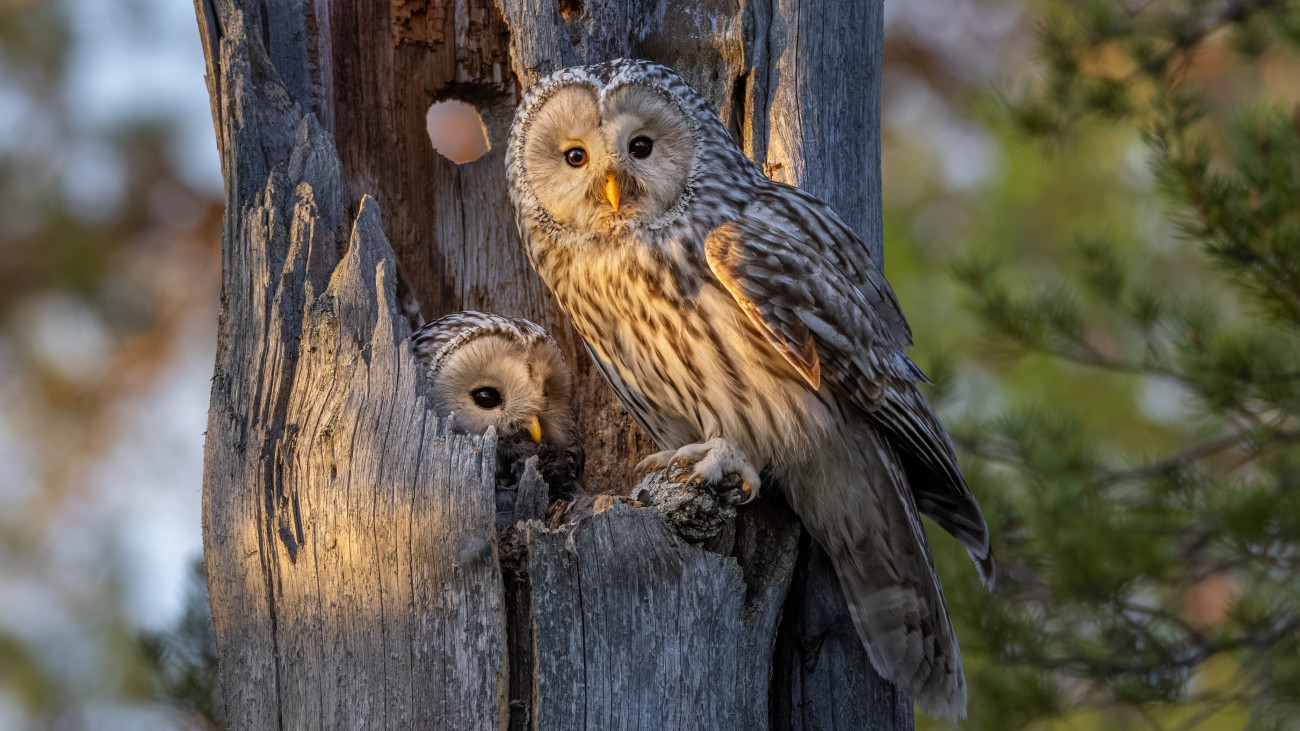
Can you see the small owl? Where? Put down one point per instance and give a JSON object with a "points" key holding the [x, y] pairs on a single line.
{"points": [[505, 372], [748, 330]]}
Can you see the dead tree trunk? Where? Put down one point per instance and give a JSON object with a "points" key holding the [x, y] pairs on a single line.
{"points": [[355, 575]]}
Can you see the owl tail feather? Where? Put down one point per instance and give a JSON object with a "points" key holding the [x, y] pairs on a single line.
{"points": [[872, 531], [935, 480]]}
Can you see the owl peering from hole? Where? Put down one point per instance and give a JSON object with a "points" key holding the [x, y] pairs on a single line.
{"points": [[505, 372], [748, 330]]}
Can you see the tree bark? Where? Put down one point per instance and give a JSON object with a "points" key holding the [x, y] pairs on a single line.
{"points": [[355, 575]]}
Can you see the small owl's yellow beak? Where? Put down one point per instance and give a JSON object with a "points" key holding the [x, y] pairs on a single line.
{"points": [[535, 429], [611, 190]]}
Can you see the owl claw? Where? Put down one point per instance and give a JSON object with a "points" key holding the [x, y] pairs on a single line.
{"points": [[656, 461], [712, 460]]}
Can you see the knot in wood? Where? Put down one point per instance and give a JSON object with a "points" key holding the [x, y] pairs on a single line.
{"points": [[702, 513]]}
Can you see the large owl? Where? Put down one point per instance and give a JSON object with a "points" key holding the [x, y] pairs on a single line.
{"points": [[748, 330], [505, 372]]}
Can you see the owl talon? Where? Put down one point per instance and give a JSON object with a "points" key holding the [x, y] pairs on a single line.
{"points": [[712, 460], [655, 462]]}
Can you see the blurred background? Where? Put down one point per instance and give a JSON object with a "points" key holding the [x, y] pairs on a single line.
{"points": [[110, 204], [1096, 262]]}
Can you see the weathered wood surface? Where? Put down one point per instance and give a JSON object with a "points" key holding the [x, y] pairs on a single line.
{"points": [[635, 626], [629, 624], [355, 577], [358, 539]]}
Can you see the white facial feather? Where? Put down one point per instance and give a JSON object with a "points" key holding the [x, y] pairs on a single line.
{"points": [[468, 352], [603, 128], [570, 119], [489, 362]]}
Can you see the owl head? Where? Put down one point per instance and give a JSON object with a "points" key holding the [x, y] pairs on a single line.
{"points": [[497, 371], [624, 144]]}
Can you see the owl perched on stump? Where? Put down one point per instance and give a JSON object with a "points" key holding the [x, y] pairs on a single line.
{"points": [[748, 330], [505, 372]]}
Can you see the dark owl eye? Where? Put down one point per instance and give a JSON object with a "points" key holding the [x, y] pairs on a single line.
{"points": [[575, 156], [486, 398], [640, 147]]}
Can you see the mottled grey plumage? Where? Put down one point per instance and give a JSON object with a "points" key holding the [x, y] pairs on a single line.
{"points": [[465, 353], [745, 326]]}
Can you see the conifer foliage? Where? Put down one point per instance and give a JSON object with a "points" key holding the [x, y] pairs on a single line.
{"points": [[1160, 589]]}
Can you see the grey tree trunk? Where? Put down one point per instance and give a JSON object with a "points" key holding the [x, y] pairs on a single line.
{"points": [[355, 574]]}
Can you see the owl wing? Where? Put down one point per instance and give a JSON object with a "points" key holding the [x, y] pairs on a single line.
{"points": [[830, 331], [843, 250]]}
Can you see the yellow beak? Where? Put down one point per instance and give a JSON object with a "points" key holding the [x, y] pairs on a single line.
{"points": [[611, 190], [535, 429]]}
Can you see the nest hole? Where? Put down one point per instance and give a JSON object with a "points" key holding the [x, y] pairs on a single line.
{"points": [[456, 131]]}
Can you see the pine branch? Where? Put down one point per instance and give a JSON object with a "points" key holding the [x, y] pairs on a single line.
{"points": [[1186, 457], [1185, 659], [1196, 655]]}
